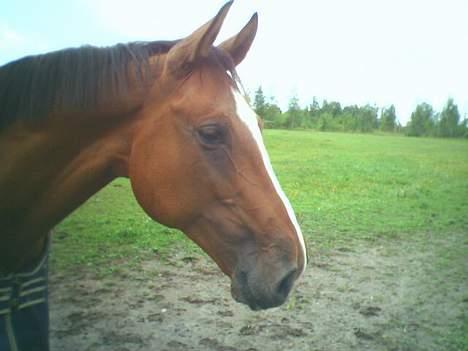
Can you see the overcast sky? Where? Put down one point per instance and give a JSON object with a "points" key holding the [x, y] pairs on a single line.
{"points": [[353, 51]]}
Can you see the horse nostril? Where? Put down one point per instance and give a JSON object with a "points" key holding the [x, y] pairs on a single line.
{"points": [[261, 291], [285, 285]]}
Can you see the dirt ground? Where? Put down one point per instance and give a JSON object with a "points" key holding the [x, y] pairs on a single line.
{"points": [[391, 295]]}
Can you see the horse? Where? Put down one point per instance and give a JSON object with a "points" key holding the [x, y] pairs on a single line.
{"points": [[171, 116]]}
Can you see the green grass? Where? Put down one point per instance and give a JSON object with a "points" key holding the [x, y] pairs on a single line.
{"points": [[111, 226], [344, 187], [366, 186]]}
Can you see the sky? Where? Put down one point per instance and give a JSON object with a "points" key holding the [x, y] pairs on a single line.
{"points": [[381, 52]]}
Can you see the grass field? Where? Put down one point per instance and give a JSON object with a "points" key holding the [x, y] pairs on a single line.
{"points": [[344, 187], [386, 221]]}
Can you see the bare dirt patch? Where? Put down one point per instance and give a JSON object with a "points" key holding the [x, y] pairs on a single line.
{"points": [[391, 296]]}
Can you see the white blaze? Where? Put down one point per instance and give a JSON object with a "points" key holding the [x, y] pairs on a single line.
{"points": [[248, 116]]}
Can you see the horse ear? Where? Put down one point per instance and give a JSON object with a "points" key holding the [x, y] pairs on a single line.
{"points": [[197, 45], [239, 45]]}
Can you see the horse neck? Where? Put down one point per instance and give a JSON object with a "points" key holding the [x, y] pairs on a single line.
{"points": [[48, 172]]}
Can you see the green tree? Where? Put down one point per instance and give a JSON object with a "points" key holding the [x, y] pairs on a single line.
{"points": [[325, 122], [367, 118], [294, 115], [422, 121], [333, 108], [350, 117], [449, 121], [272, 115], [259, 102], [464, 127], [314, 108], [388, 119]]}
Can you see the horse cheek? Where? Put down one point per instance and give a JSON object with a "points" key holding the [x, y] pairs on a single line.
{"points": [[159, 186]]}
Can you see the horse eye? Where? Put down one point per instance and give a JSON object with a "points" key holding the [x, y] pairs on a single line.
{"points": [[211, 135]]}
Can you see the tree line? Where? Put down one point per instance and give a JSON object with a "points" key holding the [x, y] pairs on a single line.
{"points": [[332, 116]]}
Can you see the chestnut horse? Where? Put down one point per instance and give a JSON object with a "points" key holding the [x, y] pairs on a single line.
{"points": [[172, 118]]}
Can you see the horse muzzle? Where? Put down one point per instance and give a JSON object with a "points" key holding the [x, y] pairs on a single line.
{"points": [[260, 289]]}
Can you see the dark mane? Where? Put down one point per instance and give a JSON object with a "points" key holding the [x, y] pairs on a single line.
{"points": [[34, 86], [75, 79]]}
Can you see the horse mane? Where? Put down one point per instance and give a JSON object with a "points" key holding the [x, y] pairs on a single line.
{"points": [[75, 79]]}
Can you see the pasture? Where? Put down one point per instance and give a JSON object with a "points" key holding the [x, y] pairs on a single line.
{"points": [[386, 222]]}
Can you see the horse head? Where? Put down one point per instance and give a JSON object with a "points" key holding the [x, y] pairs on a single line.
{"points": [[198, 163]]}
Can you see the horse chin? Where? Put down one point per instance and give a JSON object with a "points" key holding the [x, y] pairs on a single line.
{"points": [[238, 296], [261, 289], [242, 295]]}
